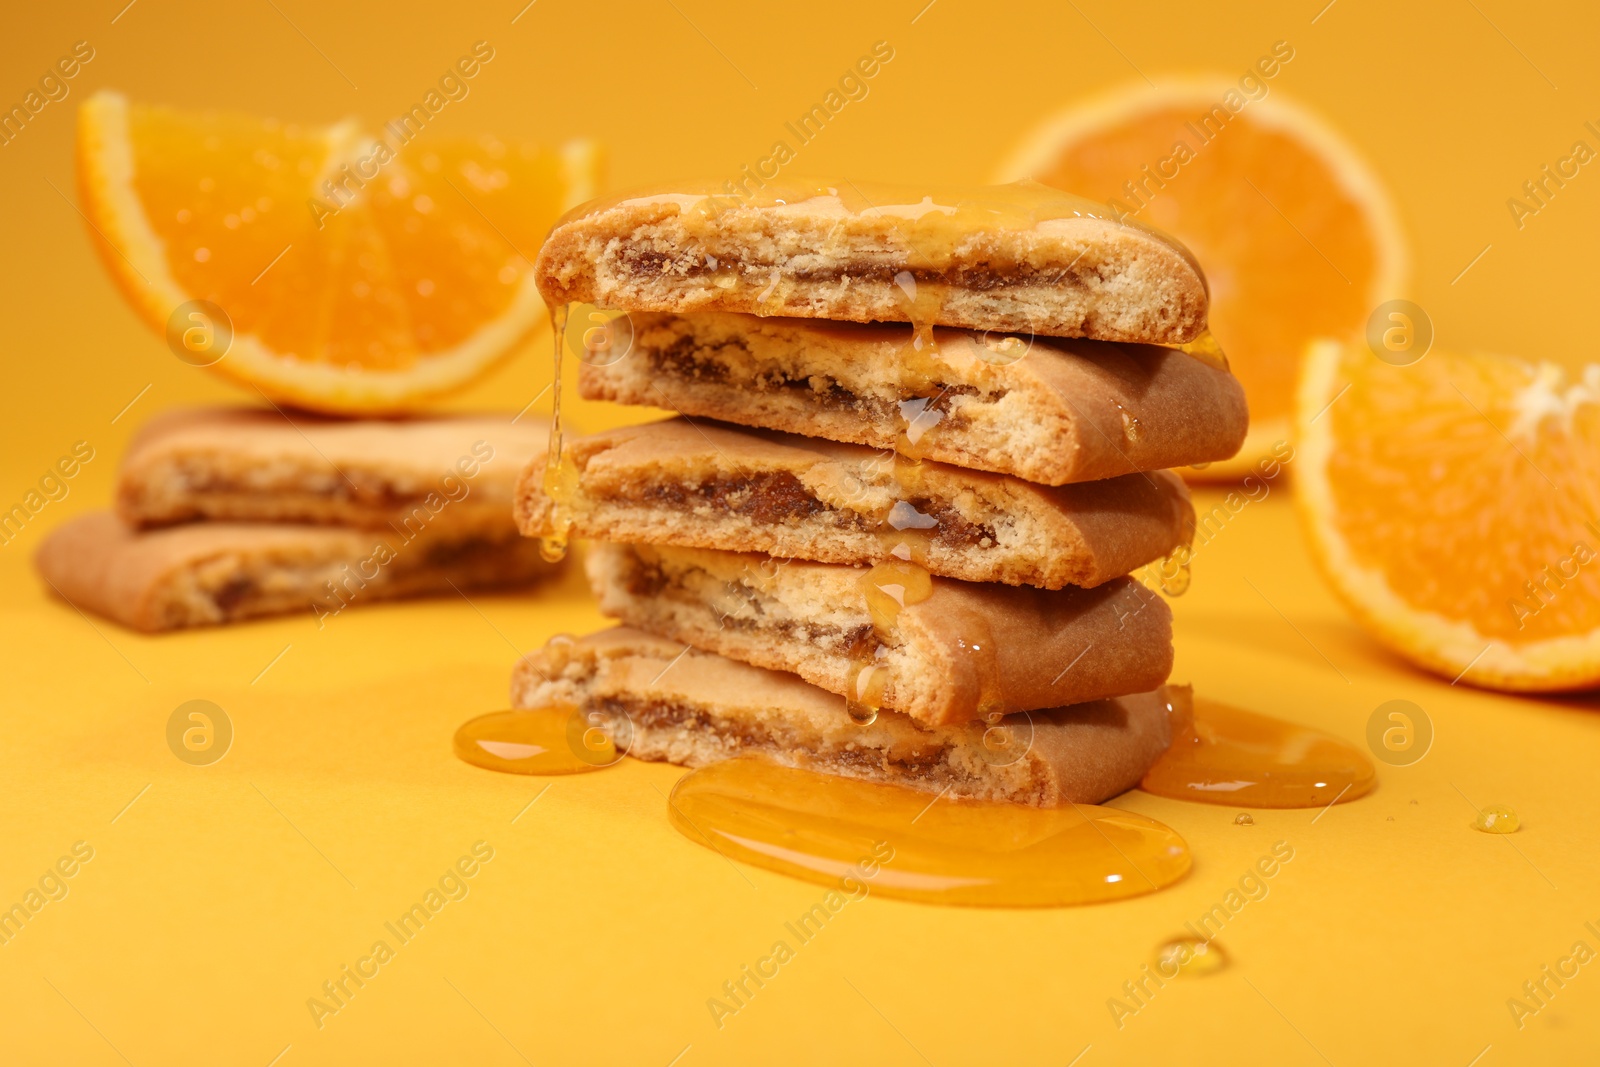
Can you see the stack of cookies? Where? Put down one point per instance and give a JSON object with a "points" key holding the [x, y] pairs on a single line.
{"points": [[228, 514], [920, 444]]}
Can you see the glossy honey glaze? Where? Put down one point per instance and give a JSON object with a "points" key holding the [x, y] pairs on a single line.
{"points": [[822, 827], [1226, 755]]}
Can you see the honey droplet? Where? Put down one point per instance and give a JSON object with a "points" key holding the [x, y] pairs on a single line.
{"points": [[1206, 349], [867, 681], [823, 828], [723, 274], [1230, 756], [891, 586], [1497, 819], [554, 740], [860, 714], [1244, 818], [1131, 427], [1190, 957], [1199, 466]]}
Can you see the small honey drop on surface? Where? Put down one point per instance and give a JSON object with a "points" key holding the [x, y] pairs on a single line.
{"points": [[1226, 755], [1244, 818], [1131, 427], [820, 827], [1206, 349], [1190, 957], [1199, 466], [1497, 819], [533, 742]]}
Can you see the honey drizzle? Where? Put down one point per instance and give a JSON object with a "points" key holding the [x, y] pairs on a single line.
{"points": [[889, 840], [904, 532], [560, 474], [1171, 572], [1225, 755]]}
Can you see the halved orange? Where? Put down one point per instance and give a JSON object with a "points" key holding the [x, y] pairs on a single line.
{"points": [[1295, 234], [361, 273], [1454, 506]]}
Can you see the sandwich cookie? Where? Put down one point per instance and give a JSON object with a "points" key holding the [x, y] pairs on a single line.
{"points": [[205, 573], [940, 650], [247, 465], [1021, 257], [1047, 410], [693, 708], [710, 485]]}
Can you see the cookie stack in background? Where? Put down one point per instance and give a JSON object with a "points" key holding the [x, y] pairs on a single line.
{"points": [[233, 513], [888, 534]]}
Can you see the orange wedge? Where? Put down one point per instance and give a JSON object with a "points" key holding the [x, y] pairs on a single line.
{"points": [[358, 272], [1453, 506], [1296, 236]]}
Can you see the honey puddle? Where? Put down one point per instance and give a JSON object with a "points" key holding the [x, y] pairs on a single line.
{"points": [[555, 740], [1230, 756], [951, 851], [818, 827]]}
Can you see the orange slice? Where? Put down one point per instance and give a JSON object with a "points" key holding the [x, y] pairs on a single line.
{"points": [[1296, 236], [359, 273], [1454, 507]]}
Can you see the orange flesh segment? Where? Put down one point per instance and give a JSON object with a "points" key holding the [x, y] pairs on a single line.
{"points": [[1447, 480]]}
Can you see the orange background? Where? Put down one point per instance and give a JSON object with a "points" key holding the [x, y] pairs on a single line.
{"points": [[226, 895]]}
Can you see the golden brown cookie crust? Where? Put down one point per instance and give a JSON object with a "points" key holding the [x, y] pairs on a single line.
{"points": [[968, 649], [697, 707], [207, 573], [1015, 258], [1062, 412], [253, 465], [705, 484]]}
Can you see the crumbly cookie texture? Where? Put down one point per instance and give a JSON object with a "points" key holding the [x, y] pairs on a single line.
{"points": [[710, 485], [697, 707], [251, 465], [203, 574], [968, 650], [1018, 258], [1049, 411]]}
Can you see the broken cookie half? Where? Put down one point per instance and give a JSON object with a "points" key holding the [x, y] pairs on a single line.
{"points": [[1020, 257], [452, 473], [1044, 409], [201, 574], [710, 485], [940, 650], [663, 701]]}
